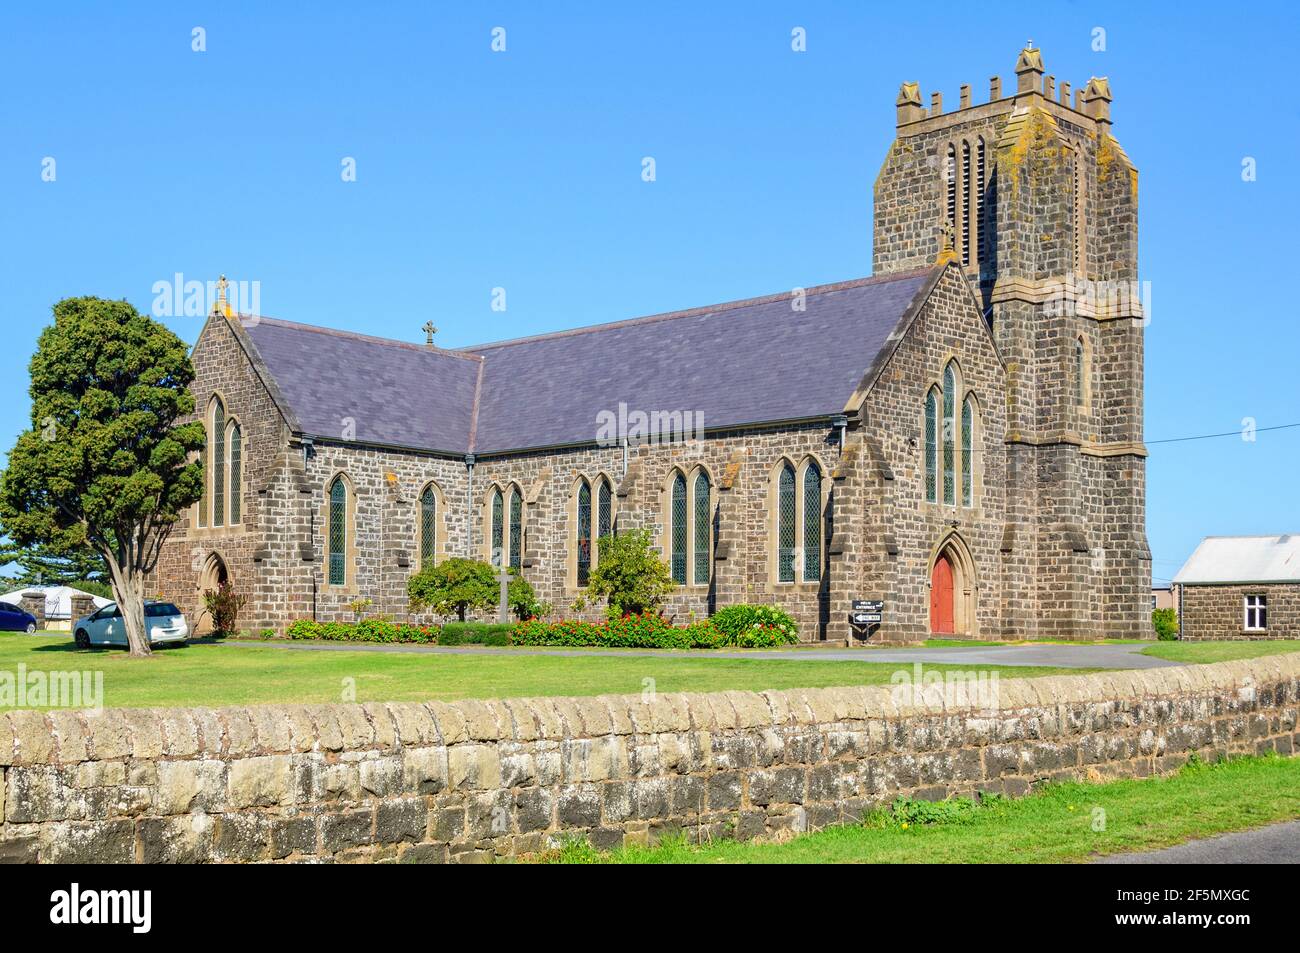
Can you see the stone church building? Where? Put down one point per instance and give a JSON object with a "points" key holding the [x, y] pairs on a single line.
{"points": [[958, 436]]}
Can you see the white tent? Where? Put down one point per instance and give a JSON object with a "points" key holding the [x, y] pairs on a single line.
{"points": [[58, 599]]}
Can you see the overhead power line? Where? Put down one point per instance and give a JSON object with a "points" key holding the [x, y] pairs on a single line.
{"points": [[1226, 433]]}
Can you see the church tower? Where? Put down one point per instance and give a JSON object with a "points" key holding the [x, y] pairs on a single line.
{"points": [[1039, 203]]}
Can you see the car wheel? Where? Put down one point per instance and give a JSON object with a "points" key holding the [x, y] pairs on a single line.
{"points": [[31, 628], [82, 639]]}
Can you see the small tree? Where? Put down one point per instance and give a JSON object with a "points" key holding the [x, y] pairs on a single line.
{"points": [[1165, 622], [106, 463], [629, 574], [460, 585]]}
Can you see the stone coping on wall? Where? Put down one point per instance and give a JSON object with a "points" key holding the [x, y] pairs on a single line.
{"points": [[473, 779]]}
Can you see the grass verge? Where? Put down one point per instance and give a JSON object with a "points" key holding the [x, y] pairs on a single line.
{"points": [[1204, 652], [1061, 823]]}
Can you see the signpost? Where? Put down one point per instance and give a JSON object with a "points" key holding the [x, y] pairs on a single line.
{"points": [[865, 613]]}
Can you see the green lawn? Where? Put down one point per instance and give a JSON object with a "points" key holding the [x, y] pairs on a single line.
{"points": [[212, 675], [1053, 826], [1218, 651]]}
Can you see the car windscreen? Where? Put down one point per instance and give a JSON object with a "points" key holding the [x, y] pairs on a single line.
{"points": [[157, 610]]}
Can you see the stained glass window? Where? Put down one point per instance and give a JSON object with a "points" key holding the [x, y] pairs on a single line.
{"points": [[785, 504], [584, 533], [967, 461], [703, 529], [605, 510], [812, 523], [218, 464], [949, 435], [236, 473], [678, 528], [498, 527], [428, 526], [516, 529], [931, 448], [338, 532]]}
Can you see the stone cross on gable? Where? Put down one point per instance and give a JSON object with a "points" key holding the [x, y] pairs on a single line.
{"points": [[429, 331], [503, 607]]}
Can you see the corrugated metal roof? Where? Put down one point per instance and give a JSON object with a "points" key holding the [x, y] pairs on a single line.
{"points": [[1240, 559]]}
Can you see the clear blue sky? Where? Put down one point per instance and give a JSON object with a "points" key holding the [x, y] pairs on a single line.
{"points": [[522, 170]]}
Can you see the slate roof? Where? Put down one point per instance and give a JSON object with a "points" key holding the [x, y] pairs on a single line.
{"points": [[1242, 559], [741, 363]]}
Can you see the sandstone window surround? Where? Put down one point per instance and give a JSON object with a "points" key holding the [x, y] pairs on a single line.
{"points": [[1254, 612], [688, 506], [338, 524], [592, 517], [221, 504], [951, 448], [503, 519], [798, 501], [430, 524]]}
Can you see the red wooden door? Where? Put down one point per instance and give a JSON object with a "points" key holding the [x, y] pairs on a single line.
{"points": [[941, 596]]}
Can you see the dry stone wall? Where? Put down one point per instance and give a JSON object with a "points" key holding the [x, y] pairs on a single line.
{"points": [[476, 780]]}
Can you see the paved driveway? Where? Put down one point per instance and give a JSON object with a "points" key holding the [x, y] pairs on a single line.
{"points": [[1055, 656], [1275, 844]]}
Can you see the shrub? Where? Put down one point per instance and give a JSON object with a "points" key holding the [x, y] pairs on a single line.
{"points": [[458, 586], [1165, 622], [629, 574], [475, 633], [752, 626], [368, 630], [223, 606], [647, 630]]}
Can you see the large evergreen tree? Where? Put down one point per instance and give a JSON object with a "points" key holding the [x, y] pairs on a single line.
{"points": [[106, 464]]}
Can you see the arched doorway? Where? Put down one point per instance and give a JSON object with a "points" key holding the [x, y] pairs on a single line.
{"points": [[953, 589], [941, 600], [211, 576]]}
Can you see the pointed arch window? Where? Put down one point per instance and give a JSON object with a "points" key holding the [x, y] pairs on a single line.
{"points": [[967, 463], [812, 523], [428, 526], [785, 537], [604, 512], [219, 464], [516, 529], [931, 447], [236, 473], [950, 174], [981, 225], [702, 530], [949, 434], [338, 532], [678, 528], [965, 204], [584, 533], [498, 528]]}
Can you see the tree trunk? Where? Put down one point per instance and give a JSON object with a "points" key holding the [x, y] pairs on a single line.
{"points": [[128, 591]]}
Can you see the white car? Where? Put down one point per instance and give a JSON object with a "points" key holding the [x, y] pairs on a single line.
{"points": [[165, 623]]}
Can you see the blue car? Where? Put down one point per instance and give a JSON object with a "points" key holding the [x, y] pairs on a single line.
{"points": [[14, 619]]}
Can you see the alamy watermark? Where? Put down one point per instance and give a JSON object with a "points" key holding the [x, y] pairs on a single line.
{"points": [[32, 688], [921, 686], [654, 427], [177, 297], [1117, 297]]}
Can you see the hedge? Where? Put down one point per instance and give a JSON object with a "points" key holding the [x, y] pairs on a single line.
{"points": [[739, 626]]}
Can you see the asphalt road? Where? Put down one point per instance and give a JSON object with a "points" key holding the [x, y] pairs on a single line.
{"points": [[1275, 844], [1055, 656]]}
